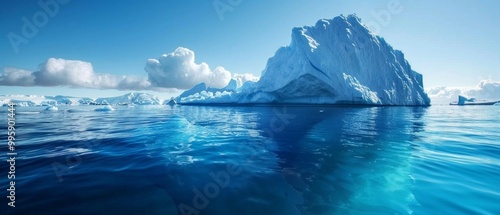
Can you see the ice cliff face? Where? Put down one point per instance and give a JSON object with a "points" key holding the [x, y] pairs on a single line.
{"points": [[336, 61], [340, 61]]}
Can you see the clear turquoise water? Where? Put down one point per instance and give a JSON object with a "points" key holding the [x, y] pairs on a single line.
{"points": [[256, 160]]}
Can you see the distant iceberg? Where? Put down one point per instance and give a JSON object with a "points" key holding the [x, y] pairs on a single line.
{"points": [[51, 108], [105, 108], [337, 61], [473, 101], [485, 89], [172, 102], [34, 100], [131, 98]]}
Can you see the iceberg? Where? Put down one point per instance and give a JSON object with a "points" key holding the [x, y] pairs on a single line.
{"points": [[35, 100], [22, 100], [485, 89], [172, 102], [105, 108], [51, 108], [336, 61], [202, 93], [196, 89], [131, 98], [462, 100], [231, 86]]}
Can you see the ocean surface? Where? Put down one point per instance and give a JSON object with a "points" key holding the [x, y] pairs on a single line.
{"points": [[255, 160]]}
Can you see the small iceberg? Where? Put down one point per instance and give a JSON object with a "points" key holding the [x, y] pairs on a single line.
{"points": [[51, 108], [105, 108], [76, 110], [462, 100], [172, 102]]}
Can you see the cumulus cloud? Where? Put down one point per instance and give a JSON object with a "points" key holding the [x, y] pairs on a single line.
{"points": [[242, 78], [16, 77], [73, 73], [179, 70], [169, 73], [486, 89], [55, 72]]}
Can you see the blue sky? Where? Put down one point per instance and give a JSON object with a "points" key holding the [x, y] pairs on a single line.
{"points": [[452, 43]]}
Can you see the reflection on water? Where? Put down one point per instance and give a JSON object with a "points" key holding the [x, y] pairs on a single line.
{"points": [[236, 160], [295, 160], [349, 159]]}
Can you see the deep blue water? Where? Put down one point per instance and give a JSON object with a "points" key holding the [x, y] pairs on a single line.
{"points": [[256, 160]]}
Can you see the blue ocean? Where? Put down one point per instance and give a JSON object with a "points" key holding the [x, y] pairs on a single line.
{"points": [[255, 160]]}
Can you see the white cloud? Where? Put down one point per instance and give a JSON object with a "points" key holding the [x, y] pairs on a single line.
{"points": [[16, 77], [73, 73], [179, 70], [55, 72], [173, 71], [244, 77]]}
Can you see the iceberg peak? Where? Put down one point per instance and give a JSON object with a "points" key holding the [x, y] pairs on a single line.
{"points": [[231, 86], [336, 61]]}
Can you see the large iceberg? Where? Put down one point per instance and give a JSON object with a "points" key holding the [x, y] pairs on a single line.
{"points": [[336, 61]]}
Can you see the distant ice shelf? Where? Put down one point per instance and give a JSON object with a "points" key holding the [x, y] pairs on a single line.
{"points": [[53, 101]]}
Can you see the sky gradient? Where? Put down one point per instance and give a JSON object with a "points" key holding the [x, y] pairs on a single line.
{"points": [[451, 43]]}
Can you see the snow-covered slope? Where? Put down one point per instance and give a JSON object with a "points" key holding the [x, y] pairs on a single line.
{"points": [[486, 89], [336, 61]]}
